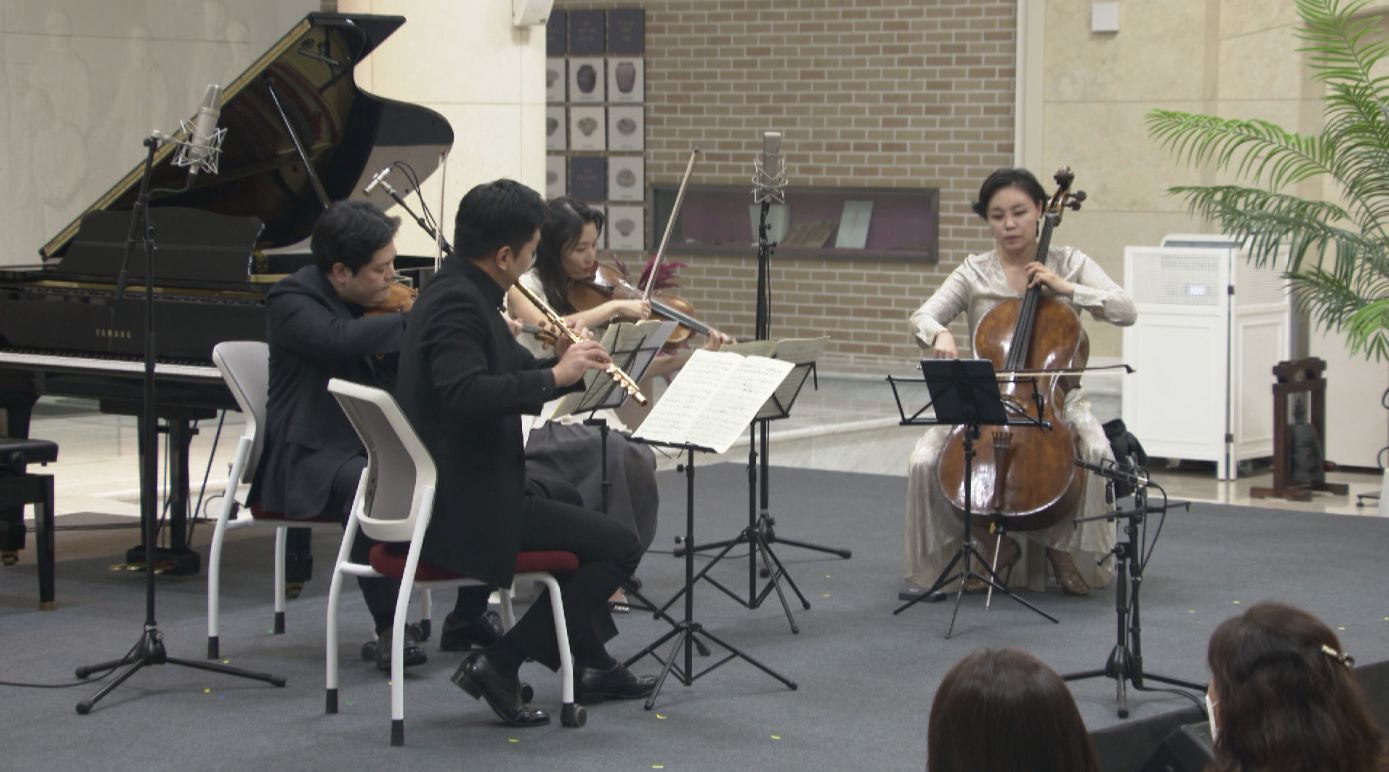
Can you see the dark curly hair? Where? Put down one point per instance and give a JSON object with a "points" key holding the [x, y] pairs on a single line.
{"points": [[350, 232]]}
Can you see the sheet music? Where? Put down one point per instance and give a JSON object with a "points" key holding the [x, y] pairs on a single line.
{"points": [[713, 399], [801, 352]]}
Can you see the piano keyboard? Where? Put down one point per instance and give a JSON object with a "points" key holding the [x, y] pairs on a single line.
{"points": [[92, 363]]}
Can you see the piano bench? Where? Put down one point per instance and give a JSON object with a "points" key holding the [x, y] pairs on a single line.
{"points": [[20, 488]]}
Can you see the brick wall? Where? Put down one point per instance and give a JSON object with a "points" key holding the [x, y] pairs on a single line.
{"points": [[867, 93]]}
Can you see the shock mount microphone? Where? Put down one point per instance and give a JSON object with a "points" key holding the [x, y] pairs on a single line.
{"points": [[203, 146], [769, 181]]}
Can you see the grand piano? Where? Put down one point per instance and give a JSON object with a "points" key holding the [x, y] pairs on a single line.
{"points": [[299, 135]]}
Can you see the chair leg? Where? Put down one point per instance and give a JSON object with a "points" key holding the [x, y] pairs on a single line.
{"points": [[570, 714], [214, 585], [426, 614], [402, 610], [281, 535], [331, 675], [508, 613]]}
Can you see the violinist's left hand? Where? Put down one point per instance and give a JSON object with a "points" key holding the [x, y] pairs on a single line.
{"points": [[718, 340], [1039, 274]]}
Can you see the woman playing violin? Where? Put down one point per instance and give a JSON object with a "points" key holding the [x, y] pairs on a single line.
{"points": [[1012, 201], [568, 257]]}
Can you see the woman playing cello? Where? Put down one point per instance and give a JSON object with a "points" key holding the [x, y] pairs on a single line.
{"points": [[1012, 201]]}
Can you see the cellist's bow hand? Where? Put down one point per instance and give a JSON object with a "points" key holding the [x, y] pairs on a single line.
{"points": [[943, 346], [1039, 274]]}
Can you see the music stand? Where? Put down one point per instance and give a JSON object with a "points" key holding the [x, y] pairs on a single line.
{"points": [[759, 534], [687, 631], [633, 347], [964, 392]]}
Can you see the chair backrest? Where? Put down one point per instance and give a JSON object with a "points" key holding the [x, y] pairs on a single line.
{"points": [[400, 475], [245, 366]]}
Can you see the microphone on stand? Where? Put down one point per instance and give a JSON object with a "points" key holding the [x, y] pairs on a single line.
{"points": [[199, 151], [203, 147], [379, 179], [770, 177], [1129, 474]]}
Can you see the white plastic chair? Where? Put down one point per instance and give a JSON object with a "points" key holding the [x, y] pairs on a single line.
{"points": [[245, 367], [393, 505]]}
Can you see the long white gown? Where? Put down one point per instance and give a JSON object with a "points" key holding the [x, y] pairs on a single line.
{"points": [[933, 531]]}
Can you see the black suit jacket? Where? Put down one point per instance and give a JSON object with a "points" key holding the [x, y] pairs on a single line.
{"points": [[464, 382], [314, 336]]}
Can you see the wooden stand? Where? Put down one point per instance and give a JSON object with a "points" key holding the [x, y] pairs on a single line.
{"points": [[1301, 376]]}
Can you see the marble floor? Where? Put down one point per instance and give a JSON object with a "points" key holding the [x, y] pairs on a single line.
{"points": [[847, 424]]}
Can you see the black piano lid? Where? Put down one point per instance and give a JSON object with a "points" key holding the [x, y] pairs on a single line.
{"points": [[347, 133]]}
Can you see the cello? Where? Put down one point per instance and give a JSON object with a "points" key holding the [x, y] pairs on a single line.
{"points": [[1024, 476]]}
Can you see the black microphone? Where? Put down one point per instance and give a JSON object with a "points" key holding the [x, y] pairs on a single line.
{"points": [[378, 179], [1132, 474]]}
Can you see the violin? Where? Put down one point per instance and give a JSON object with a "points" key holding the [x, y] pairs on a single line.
{"points": [[401, 298], [610, 283], [1025, 476]]}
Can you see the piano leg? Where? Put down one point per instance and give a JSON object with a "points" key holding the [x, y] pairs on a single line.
{"points": [[178, 558], [17, 406]]}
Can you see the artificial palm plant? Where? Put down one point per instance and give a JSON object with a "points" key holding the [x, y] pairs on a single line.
{"points": [[1337, 255]]}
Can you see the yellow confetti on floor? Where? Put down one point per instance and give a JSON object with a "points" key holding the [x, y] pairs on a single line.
{"points": [[1235, 602], [660, 717], [207, 691], [1342, 628], [513, 741], [658, 766], [824, 595], [776, 737]]}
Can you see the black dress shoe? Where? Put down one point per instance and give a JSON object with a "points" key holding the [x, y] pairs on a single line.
{"points": [[617, 683], [467, 634], [380, 650], [480, 679]]}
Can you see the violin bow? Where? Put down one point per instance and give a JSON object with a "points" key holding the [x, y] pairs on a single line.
{"points": [[670, 226]]}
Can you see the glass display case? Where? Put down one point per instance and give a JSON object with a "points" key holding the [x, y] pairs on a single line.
{"points": [[834, 223]]}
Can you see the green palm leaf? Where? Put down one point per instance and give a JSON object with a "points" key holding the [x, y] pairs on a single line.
{"points": [[1334, 255]]}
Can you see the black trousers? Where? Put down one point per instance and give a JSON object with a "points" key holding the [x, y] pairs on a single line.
{"points": [[608, 553]]}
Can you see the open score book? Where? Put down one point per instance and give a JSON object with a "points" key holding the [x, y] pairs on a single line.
{"points": [[713, 399]]}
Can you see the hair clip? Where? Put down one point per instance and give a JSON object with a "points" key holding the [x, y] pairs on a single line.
{"points": [[1339, 656]]}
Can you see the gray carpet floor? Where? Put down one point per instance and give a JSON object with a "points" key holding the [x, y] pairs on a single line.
{"points": [[866, 677]]}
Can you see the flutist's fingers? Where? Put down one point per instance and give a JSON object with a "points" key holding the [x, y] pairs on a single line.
{"points": [[578, 357]]}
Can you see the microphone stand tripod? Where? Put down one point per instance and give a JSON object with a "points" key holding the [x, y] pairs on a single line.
{"points": [[760, 534], [1125, 663], [149, 649]]}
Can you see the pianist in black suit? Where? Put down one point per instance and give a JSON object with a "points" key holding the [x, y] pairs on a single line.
{"points": [[464, 383], [318, 329]]}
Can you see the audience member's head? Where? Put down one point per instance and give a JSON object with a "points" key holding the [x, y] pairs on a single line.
{"points": [[1284, 697], [1004, 711]]}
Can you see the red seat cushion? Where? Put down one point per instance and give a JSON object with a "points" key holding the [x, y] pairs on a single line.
{"points": [[261, 514], [389, 559]]}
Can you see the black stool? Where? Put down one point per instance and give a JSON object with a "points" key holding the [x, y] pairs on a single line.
{"points": [[19, 488]]}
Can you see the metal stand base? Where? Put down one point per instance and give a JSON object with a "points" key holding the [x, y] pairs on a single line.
{"points": [[150, 651], [688, 633]]}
